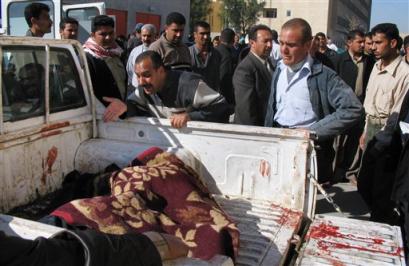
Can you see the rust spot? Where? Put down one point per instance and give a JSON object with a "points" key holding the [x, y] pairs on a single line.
{"points": [[51, 133], [264, 168], [55, 126]]}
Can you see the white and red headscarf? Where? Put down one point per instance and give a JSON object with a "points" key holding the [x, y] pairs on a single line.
{"points": [[90, 46]]}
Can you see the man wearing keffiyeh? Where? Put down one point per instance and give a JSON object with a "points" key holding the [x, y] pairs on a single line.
{"points": [[107, 71]]}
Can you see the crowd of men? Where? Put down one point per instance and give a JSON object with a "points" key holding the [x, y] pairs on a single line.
{"points": [[355, 100]]}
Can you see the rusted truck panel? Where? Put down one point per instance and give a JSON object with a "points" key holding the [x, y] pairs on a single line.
{"points": [[340, 241], [36, 164]]}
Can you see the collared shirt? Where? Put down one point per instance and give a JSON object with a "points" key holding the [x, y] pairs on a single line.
{"points": [[29, 33], [404, 59], [197, 58], [275, 51], [132, 80], [263, 61], [210, 68], [359, 83], [294, 108], [386, 89]]}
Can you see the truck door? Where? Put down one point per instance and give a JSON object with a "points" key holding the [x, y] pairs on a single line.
{"points": [[46, 114], [84, 13], [14, 23]]}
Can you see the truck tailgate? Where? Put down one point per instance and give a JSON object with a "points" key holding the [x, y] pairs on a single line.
{"points": [[265, 229], [340, 241]]}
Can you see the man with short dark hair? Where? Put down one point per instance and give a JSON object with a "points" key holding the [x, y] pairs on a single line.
{"points": [[227, 65], [175, 54], [205, 59], [38, 19], [306, 94], [354, 67], [69, 28], [368, 44], [252, 79], [406, 49], [323, 46], [387, 87], [107, 71], [388, 83], [181, 96]]}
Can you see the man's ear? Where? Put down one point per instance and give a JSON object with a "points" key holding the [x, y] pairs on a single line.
{"points": [[33, 21], [308, 44], [393, 43]]}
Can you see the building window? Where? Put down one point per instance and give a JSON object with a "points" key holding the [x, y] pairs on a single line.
{"points": [[270, 12], [288, 13]]}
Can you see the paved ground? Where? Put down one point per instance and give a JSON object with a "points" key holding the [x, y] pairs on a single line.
{"points": [[347, 198]]}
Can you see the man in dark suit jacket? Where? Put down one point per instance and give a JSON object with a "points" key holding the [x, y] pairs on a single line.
{"points": [[227, 64], [354, 67], [252, 79]]}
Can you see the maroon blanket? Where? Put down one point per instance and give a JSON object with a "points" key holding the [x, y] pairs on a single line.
{"points": [[164, 195]]}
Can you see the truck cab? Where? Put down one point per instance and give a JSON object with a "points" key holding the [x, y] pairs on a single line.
{"points": [[14, 23]]}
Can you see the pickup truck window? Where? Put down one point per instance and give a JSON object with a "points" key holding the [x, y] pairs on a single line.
{"points": [[23, 82], [66, 91], [17, 25]]}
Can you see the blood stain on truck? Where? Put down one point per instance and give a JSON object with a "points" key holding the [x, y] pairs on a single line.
{"points": [[326, 230], [288, 218], [51, 157]]}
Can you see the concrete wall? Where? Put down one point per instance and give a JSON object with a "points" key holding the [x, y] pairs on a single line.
{"points": [[159, 7]]}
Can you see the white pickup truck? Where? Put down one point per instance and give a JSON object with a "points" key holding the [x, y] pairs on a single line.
{"points": [[13, 22], [260, 176]]}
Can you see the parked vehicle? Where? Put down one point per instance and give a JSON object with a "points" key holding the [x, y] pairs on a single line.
{"points": [[260, 176], [14, 23]]}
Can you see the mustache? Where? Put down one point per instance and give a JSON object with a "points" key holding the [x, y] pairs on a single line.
{"points": [[147, 86]]}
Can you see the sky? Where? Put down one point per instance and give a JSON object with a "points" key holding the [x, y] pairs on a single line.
{"points": [[394, 11]]}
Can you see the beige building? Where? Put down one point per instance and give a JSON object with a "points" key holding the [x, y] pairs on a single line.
{"points": [[333, 17], [214, 19]]}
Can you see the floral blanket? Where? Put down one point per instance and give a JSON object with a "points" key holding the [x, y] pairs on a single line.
{"points": [[164, 195]]}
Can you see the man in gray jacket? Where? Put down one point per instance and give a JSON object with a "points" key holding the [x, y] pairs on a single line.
{"points": [[306, 94], [180, 96]]}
